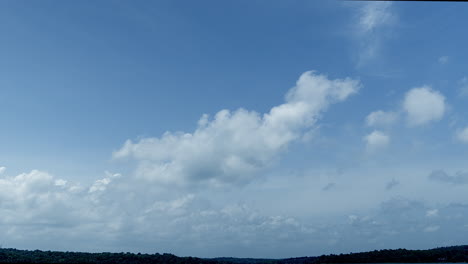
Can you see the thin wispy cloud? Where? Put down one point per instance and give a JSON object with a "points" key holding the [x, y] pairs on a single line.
{"points": [[443, 177], [374, 20], [462, 135], [444, 60], [463, 87], [381, 119]]}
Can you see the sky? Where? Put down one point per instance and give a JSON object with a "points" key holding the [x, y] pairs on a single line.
{"points": [[233, 128]]}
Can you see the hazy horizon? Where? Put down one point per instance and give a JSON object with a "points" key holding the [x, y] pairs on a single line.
{"points": [[267, 129]]}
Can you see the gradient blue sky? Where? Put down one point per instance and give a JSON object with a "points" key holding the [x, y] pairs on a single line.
{"points": [[105, 146]]}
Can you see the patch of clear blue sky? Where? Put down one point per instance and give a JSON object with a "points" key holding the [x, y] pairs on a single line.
{"points": [[78, 78]]}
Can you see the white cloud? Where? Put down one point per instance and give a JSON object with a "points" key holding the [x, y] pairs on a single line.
{"points": [[40, 205], [130, 217], [35, 198], [60, 182], [432, 228], [432, 213], [374, 18], [443, 60], [376, 140], [381, 118], [230, 147], [173, 207], [101, 185], [374, 15], [423, 105], [2, 170], [462, 135]]}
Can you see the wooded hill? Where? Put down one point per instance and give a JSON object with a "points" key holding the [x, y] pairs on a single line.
{"points": [[442, 254]]}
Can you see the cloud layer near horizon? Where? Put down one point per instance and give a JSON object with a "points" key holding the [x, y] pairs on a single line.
{"points": [[39, 210]]}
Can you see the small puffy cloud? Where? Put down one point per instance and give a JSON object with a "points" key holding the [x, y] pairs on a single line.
{"points": [[432, 213], [381, 118], [423, 105], [2, 170], [376, 140], [443, 60], [462, 135], [442, 176], [231, 146]]}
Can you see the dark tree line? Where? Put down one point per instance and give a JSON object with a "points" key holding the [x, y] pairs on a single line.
{"points": [[52, 257], [444, 254]]}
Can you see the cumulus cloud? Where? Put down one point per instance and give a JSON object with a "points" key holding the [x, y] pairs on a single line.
{"points": [[2, 170], [376, 140], [231, 146], [35, 198], [423, 105], [38, 210], [381, 118], [462, 135], [442, 176]]}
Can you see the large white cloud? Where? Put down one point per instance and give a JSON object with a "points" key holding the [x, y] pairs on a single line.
{"points": [[231, 146], [424, 105]]}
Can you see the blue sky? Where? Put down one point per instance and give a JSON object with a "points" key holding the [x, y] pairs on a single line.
{"points": [[247, 128]]}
